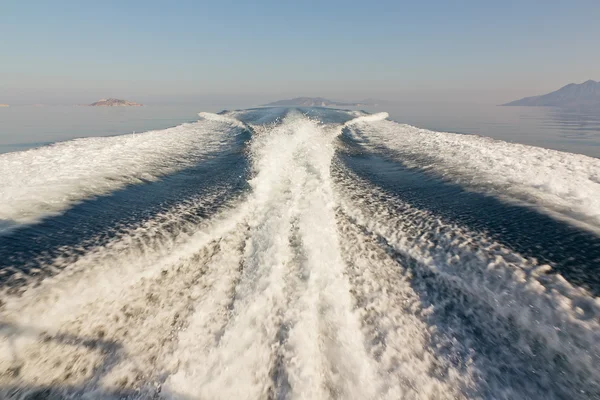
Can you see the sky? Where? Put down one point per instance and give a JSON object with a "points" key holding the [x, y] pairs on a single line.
{"points": [[67, 52]]}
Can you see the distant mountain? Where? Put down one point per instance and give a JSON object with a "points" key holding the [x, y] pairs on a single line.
{"points": [[584, 95], [318, 102], [114, 103]]}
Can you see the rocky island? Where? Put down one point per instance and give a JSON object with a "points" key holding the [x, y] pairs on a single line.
{"points": [[114, 103]]}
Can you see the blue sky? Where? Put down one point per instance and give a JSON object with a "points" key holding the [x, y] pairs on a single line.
{"points": [[65, 51]]}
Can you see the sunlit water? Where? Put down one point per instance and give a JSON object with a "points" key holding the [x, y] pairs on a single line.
{"points": [[300, 254]]}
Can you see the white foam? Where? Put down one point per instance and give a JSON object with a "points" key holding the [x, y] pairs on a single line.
{"points": [[492, 285], [323, 350], [398, 331], [559, 182], [222, 118], [199, 307], [380, 116], [120, 306], [313, 284], [48, 180]]}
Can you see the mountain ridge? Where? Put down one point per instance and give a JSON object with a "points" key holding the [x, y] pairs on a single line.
{"points": [[573, 95]]}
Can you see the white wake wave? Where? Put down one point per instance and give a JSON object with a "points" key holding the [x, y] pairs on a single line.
{"points": [[561, 183], [215, 309], [291, 195], [48, 180], [222, 118], [368, 118], [488, 282], [315, 284]]}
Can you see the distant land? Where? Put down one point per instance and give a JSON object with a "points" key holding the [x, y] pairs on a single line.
{"points": [[585, 95], [4, 105], [320, 102], [114, 103]]}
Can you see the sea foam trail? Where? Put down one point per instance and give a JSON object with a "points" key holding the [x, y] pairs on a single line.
{"points": [[222, 118], [292, 332], [563, 184], [48, 180], [251, 303], [507, 325], [367, 118], [312, 284], [107, 321]]}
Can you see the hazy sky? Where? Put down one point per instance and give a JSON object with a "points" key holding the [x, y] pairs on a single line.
{"points": [[157, 51]]}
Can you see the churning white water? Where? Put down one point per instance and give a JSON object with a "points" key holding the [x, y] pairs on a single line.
{"points": [[312, 284]]}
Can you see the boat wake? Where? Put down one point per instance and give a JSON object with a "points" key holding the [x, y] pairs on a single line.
{"points": [[305, 281]]}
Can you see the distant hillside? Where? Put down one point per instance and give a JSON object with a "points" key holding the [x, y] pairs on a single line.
{"points": [[318, 102], [114, 103], [584, 95]]}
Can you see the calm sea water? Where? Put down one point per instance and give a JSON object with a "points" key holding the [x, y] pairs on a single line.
{"points": [[23, 127]]}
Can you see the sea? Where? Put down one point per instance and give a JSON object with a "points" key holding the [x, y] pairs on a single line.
{"points": [[438, 251]]}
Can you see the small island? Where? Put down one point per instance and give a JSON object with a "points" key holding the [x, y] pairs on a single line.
{"points": [[4, 105], [114, 103]]}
